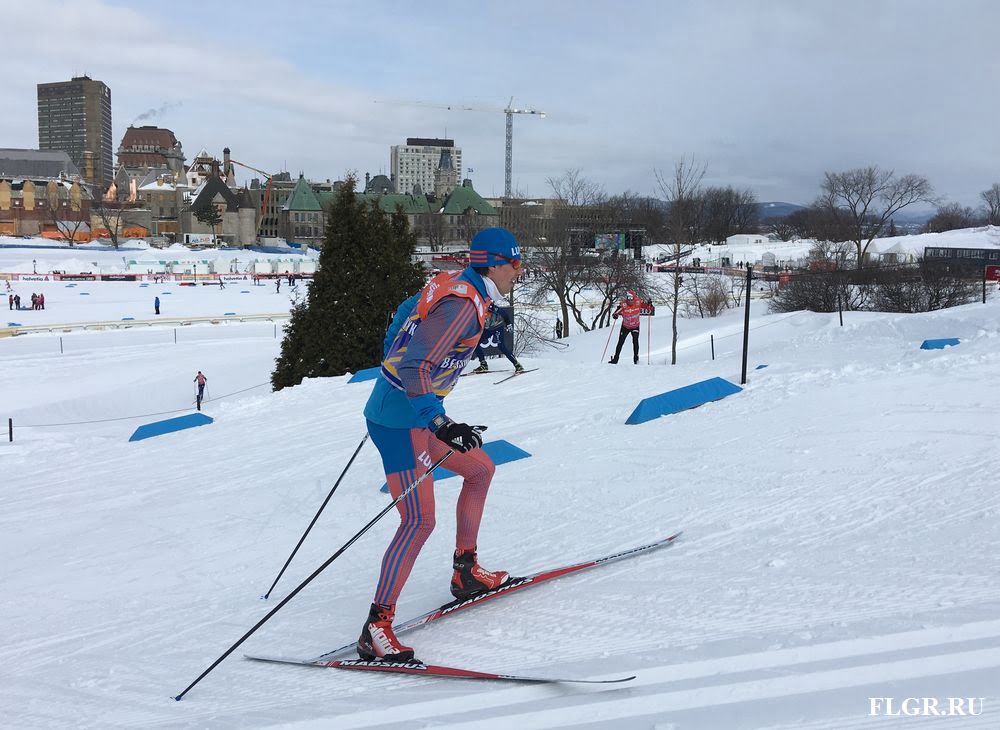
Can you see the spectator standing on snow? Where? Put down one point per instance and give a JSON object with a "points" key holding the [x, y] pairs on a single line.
{"points": [[497, 321], [629, 311], [156, 305], [41, 301], [10, 300], [17, 301]]}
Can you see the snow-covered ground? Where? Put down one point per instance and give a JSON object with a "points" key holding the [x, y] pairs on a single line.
{"points": [[840, 516]]}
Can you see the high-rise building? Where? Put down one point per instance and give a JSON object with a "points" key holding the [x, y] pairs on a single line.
{"points": [[416, 162], [75, 116]]}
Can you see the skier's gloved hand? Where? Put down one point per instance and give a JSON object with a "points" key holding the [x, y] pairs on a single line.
{"points": [[614, 316], [460, 436]]}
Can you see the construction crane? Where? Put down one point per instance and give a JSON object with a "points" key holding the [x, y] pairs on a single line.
{"points": [[267, 190], [509, 110]]}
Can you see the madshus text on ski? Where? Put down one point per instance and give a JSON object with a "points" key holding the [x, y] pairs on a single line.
{"points": [[432, 337]]}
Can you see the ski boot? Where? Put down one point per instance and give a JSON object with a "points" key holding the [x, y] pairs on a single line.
{"points": [[483, 368], [470, 579], [378, 642], [518, 368], [613, 361]]}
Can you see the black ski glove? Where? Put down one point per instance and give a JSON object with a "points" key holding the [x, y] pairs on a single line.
{"points": [[460, 436]]}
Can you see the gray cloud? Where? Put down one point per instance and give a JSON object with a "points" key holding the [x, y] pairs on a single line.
{"points": [[768, 93]]}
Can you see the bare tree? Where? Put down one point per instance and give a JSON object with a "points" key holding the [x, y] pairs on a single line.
{"points": [[952, 217], [781, 227], [573, 189], [867, 198], [992, 199], [707, 295], [728, 211], [114, 216], [682, 192], [68, 215]]}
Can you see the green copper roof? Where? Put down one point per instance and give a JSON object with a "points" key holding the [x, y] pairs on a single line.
{"points": [[302, 197], [412, 204], [462, 198]]}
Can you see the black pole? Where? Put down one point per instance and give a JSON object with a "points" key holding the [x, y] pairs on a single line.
{"points": [[175, 335], [316, 572], [840, 309], [713, 345], [746, 324], [10, 429], [60, 346], [321, 508], [984, 282]]}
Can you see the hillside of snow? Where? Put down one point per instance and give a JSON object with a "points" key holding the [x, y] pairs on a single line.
{"points": [[840, 520]]}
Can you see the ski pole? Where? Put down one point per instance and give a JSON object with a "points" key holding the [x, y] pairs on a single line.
{"points": [[316, 572], [607, 343], [321, 508], [649, 338]]}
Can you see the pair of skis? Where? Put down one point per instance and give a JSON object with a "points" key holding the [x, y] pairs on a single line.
{"points": [[511, 586], [513, 374]]}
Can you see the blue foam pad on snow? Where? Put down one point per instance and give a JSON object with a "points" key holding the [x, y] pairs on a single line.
{"points": [[366, 374], [14, 324], [85, 294], [244, 291], [126, 319], [760, 367], [229, 314], [499, 451], [939, 344], [681, 399], [158, 428]]}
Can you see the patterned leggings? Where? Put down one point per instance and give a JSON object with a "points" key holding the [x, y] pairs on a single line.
{"points": [[406, 455]]}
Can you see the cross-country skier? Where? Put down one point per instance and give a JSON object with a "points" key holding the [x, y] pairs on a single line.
{"points": [[629, 311], [429, 343], [496, 327], [200, 380]]}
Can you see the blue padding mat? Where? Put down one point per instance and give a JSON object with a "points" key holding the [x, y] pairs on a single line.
{"points": [[939, 344], [366, 374], [499, 451], [690, 396], [158, 428]]}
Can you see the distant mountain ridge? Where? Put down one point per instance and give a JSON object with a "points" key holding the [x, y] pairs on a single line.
{"points": [[777, 209]]}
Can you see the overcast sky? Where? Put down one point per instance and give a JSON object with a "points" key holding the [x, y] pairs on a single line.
{"points": [[768, 94]]}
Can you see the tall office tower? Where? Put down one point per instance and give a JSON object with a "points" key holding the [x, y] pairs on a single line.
{"points": [[75, 116], [416, 162]]}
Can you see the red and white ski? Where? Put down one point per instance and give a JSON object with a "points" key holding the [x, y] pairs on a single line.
{"points": [[512, 585], [429, 670]]}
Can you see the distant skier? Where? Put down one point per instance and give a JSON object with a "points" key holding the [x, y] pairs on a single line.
{"points": [[221, 285], [277, 285], [156, 305], [496, 328], [429, 342], [629, 311], [200, 380]]}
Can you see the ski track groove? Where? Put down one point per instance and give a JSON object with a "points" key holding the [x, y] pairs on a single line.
{"points": [[868, 658]]}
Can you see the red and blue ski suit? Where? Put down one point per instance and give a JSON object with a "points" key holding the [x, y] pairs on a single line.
{"points": [[429, 343]]}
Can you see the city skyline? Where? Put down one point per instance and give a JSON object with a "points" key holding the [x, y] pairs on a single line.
{"points": [[768, 95]]}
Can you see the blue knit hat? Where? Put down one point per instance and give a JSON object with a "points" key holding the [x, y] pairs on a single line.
{"points": [[493, 247]]}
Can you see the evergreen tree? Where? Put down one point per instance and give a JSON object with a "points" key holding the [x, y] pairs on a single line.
{"points": [[365, 271], [208, 215]]}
